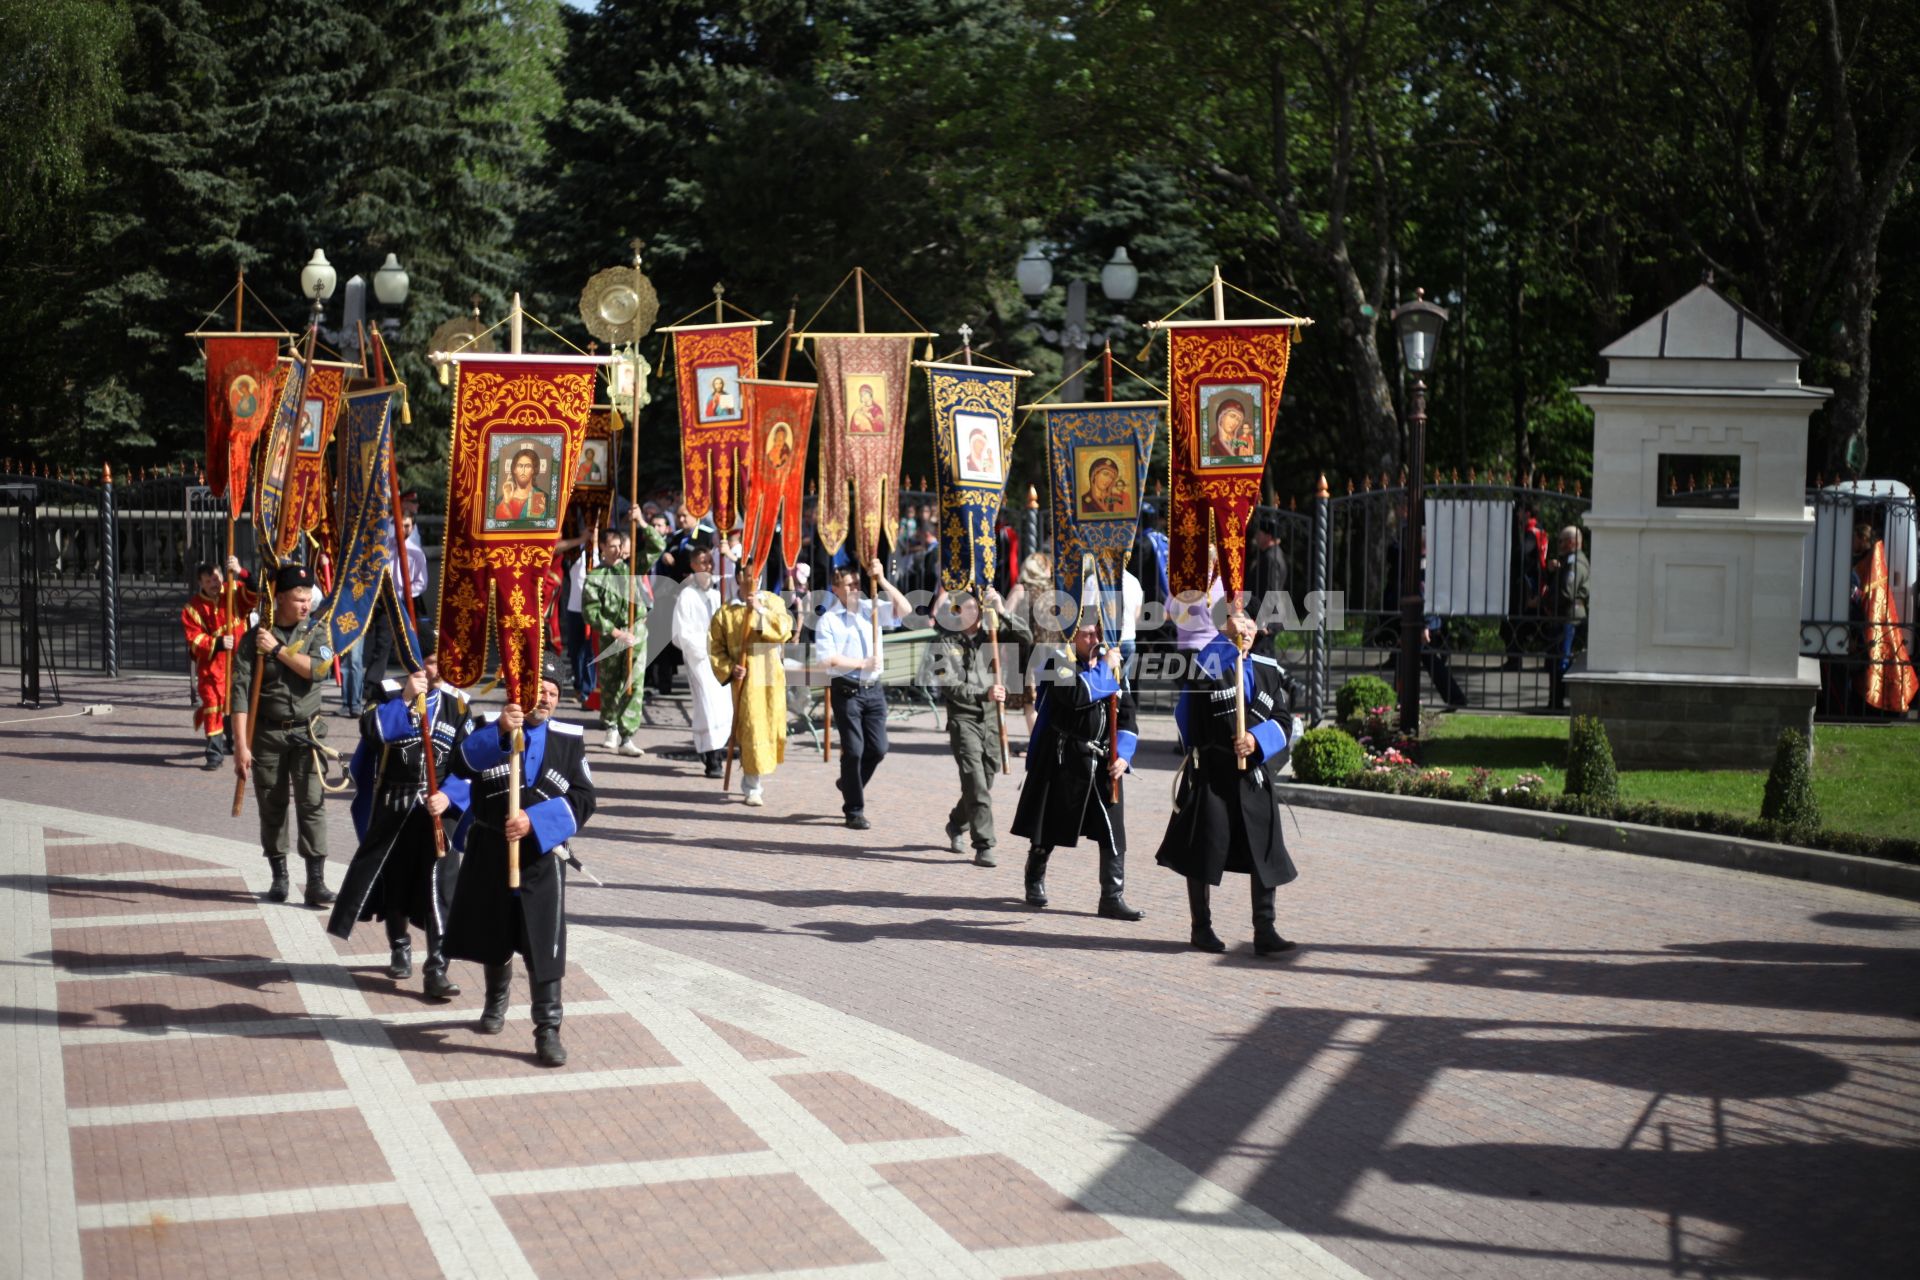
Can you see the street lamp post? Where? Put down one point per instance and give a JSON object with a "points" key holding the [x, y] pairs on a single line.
{"points": [[1419, 323], [390, 288], [1119, 281]]}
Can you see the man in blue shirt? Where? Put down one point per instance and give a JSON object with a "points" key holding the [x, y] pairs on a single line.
{"points": [[844, 645]]}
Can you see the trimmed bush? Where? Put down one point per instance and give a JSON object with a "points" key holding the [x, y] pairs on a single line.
{"points": [[1360, 694], [1789, 798], [1590, 772], [1326, 756]]}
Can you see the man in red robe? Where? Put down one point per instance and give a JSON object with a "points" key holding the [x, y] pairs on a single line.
{"points": [[210, 633]]}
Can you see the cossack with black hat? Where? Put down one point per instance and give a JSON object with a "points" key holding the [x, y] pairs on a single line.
{"points": [[291, 577]]}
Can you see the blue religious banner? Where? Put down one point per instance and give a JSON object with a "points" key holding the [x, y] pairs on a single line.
{"points": [[363, 578], [1098, 455], [972, 429]]}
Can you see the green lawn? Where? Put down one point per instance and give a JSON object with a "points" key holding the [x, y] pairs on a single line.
{"points": [[1865, 776]]}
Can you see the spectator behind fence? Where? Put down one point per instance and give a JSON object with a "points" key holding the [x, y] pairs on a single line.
{"points": [[1570, 606]]}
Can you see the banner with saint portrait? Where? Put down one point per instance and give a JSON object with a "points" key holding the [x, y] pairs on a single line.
{"points": [[710, 362], [519, 426], [270, 504], [595, 476], [863, 411], [782, 415], [1224, 382], [972, 429], [1097, 460], [240, 380], [304, 501], [363, 581]]}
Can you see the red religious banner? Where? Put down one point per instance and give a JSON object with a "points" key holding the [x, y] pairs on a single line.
{"points": [[594, 478], [304, 503], [1224, 381], [240, 382], [863, 411], [782, 415], [519, 426], [711, 360]]}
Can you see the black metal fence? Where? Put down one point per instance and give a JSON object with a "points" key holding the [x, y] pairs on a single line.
{"points": [[101, 573]]}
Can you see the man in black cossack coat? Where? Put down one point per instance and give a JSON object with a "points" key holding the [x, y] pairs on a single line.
{"points": [[491, 922], [1074, 763], [1226, 818], [397, 874]]}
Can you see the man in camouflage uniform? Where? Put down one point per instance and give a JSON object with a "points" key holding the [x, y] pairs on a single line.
{"points": [[292, 661], [603, 602], [961, 663]]}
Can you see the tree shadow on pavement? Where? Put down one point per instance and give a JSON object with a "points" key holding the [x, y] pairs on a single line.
{"points": [[1764, 1153], [790, 848], [126, 889]]}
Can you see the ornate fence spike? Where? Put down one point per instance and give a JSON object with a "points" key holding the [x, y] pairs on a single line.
{"points": [[106, 475], [1576, 488], [1349, 486], [1320, 487], [1366, 484]]}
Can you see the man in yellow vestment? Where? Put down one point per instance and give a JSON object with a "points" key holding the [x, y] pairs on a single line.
{"points": [[743, 648]]}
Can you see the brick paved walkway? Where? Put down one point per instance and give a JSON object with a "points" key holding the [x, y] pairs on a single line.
{"points": [[801, 1050]]}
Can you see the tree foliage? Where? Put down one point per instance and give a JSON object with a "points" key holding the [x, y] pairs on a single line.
{"points": [[1552, 171]]}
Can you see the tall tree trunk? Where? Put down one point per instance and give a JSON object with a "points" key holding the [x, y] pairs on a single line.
{"points": [[1516, 372]]}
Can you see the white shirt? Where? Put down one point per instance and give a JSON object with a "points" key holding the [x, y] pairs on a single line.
{"points": [[416, 566], [843, 634], [1132, 597], [577, 580]]}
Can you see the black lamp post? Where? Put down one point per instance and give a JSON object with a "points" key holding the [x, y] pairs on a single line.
{"points": [[1419, 323], [1119, 280]]}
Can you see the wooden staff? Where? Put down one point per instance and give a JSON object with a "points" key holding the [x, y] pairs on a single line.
{"points": [[999, 708], [513, 808], [425, 706], [1113, 746], [1239, 697], [740, 694], [233, 656]]}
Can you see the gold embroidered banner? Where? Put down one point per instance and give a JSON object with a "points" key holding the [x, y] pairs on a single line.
{"points": [[270, 494], [519, 424], [972, 425], [711, 361], [305, 500], [863, 412], [782, 414], [1225, 383]]}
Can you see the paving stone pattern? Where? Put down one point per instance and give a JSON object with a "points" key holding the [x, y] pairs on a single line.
{"points": [[803, 1050]]}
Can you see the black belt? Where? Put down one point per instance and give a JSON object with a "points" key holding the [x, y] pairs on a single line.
{"points": [[848, 686]]}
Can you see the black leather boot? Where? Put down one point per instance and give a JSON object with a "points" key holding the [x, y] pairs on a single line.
{"points": [[493, 1016], [1266, 939], [1037, 875], [1203, 938], [277, 891], [435, 968], [400, 965], [318, 895], [1113, 879], [546, 1024], [713, 760]]}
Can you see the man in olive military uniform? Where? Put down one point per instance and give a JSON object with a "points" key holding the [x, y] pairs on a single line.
{"points": [[292, 661], [961, 663], [603, 602]]}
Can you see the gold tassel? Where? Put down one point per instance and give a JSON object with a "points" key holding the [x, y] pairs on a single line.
{"points": [[446, 374]]}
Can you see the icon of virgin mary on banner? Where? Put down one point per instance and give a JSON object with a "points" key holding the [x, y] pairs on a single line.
{"points": [[1225, 382], [1098, 456], [863, 409], [519, 424]]}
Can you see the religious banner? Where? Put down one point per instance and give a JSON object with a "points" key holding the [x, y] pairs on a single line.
{"points": [[782, 416], [863, 411], [240, 380], [972, 429], [304, 503], [269, 507], [1097, 459], [519, 427], [1224, 380], [363, 581], [711, 361], [597, 474]]}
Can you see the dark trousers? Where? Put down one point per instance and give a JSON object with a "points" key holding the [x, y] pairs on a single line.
{"points": [[860, 713], [573, 634], [381, 645]]}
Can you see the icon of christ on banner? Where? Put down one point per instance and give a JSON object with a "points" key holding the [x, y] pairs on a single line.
{"points": [[523, 497], [719, 393]]}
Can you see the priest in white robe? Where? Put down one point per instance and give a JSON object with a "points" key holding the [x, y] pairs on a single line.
{"points": [[712, 707]]}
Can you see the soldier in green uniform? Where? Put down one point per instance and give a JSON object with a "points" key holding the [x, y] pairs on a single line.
{"points": [[962, 665], [603, 602], [292, 661]]}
